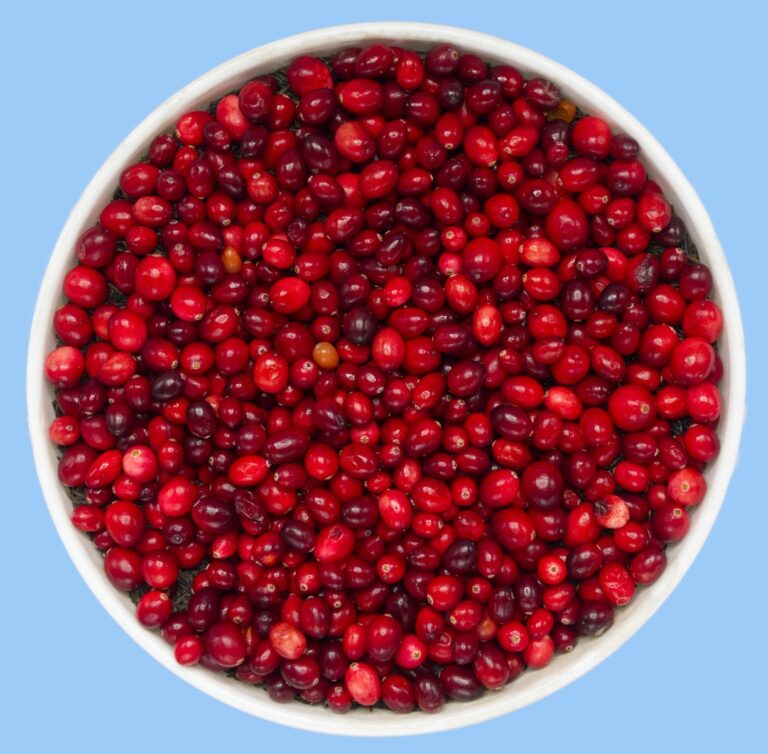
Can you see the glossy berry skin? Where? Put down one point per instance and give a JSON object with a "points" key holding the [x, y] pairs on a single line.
{"points": [[384, 379], [632, 408], [363, 684]]}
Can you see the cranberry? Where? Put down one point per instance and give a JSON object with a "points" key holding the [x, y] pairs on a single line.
{"points": [[543, 485], [225, 644], [692, 361], [363, 683], [123, 568], [566, 225], [632, 408], [595, 618], [188, 650], [612, 512], [592, 137], [648, 565], [460, 683]]}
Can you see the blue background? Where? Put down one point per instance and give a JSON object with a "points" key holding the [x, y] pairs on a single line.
{"points": [[75, 81]]}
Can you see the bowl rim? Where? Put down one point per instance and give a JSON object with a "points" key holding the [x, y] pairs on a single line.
{"points": [[530, 687]]}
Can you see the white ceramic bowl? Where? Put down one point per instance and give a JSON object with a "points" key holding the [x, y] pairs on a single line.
{"points": [[532, 686]]}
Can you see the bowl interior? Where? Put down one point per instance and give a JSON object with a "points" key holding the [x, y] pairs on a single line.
{"points": [[530, 686]]}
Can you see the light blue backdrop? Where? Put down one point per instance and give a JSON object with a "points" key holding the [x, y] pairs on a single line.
{"points": [[76, 78]]}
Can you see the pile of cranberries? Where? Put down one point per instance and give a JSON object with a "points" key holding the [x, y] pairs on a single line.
{"points": [[385, 378]]}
